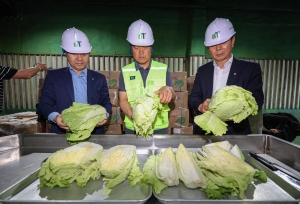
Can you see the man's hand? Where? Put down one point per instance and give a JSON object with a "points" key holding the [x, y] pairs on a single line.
{"points": [[203, 107], [58, 121], [41, 66], [166, 94], [274, 131], [103, 122]]}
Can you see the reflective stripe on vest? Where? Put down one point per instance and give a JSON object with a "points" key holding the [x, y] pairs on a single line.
{"points": [[135, 87]]}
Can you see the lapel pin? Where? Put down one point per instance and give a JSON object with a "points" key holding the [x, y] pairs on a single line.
{"points": [[92, 78], [234, 74]]}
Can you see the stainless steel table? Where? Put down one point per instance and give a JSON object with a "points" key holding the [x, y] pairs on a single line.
{"points": [[21, 157]]}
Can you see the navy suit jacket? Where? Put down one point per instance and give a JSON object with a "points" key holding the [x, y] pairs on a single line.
{"points": [[242, 73], [58, 94]]}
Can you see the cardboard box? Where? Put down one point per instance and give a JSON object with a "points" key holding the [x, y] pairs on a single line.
{"points": [[10, 128], [113, 129], [179, 81], [181, 100], [114, 97], [183, 130], [190, 83], [179, 118], [115, 116], [48, 126], [25, 122], [112, 78], [31, 127], [41, 127]]}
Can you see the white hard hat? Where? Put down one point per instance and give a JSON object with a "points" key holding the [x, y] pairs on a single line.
{"points": [[75, 41], [140, 33], [218, 31]]}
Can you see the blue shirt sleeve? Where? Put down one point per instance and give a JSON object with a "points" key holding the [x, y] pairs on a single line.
{"points": [[52, 115]]}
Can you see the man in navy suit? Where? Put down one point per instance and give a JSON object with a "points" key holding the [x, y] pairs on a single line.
{"points": [[75, 83], [224, 70]]}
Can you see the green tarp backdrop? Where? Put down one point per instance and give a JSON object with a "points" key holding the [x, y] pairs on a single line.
{"points": [[178, 31]]}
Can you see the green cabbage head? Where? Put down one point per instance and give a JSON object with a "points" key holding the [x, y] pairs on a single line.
{"points": [[82, 119], [230, 103], [225, 172], [145, 109], [189, 172], [80, 163], [117, 164]]}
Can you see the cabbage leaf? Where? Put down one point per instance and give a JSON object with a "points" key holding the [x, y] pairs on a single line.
{"points": [[117, 164], [80, 163], [225, 172], [229, 103], [189, 172], [145, 109], [82, 119]]}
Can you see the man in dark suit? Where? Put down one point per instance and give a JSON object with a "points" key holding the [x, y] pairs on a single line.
{"points": [[75, 83], [224, 70]]}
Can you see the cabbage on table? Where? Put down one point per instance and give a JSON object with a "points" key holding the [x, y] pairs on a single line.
{"points": [[161, 171], [145, 109], [78, 163], [117, 164], [189, 172], [225, 172], [167, 168], [82, 119], [230, 103]]}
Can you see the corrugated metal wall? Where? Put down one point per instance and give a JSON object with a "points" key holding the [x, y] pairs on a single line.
{"points": [[281, 77], [281, 81]]}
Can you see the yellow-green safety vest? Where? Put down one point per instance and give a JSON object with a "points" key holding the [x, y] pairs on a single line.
{"points": [[135, 87]]}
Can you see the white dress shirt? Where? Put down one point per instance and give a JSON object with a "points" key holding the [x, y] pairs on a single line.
{"points": [[221, 75]]}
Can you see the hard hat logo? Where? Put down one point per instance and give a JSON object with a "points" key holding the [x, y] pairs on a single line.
{"points": [[77, 44], [75, 41], [141, 36], [137, 32], [218, 31], [215, 35]]}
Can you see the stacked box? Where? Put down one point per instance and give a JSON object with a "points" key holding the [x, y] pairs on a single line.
{"points": [[116, 116], [114, 97], [179, 81], [112, 78], [113, 129], [25, 122], [190, 83], [48, 126], [179, 111], [116, 119], [181, 100], [183, 130], [179, 118]]}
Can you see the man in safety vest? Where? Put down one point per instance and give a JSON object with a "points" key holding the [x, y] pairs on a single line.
{"points": [[144, 75]]}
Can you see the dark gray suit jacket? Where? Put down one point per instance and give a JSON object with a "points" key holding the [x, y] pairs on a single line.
{"points": [[245, 74], [58, 94]]}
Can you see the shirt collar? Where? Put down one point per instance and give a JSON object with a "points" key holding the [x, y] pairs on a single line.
{"points": [[229, 62], [137, 66], [84, 72]]}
